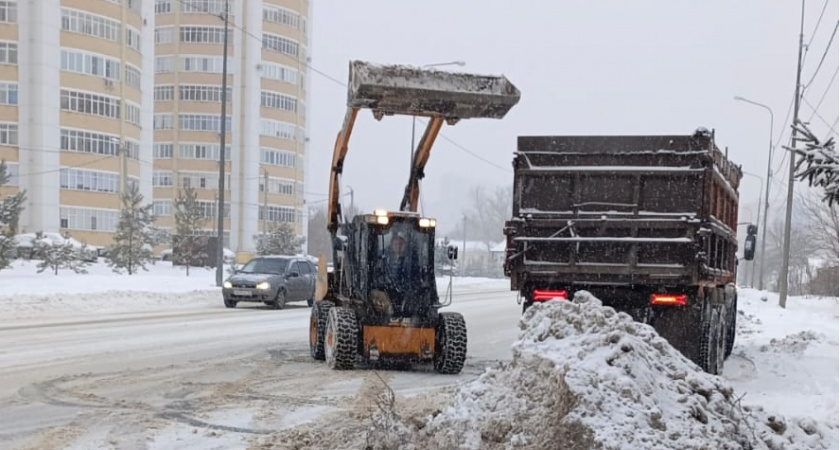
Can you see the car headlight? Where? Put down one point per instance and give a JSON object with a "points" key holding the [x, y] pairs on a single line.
{"points": [[227, 285], [264, 286]]}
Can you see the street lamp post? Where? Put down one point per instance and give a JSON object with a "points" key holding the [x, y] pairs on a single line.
{"points": [[414, 118], [766, 191], [757, 219]]}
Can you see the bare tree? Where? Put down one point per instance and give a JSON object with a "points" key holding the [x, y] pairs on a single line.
{"points": [[318, 239], [801, 249], [486, 216], [821, 224]]}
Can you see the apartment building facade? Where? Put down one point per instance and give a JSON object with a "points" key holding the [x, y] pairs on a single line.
{"points": [[73, 118], [266, 123]]}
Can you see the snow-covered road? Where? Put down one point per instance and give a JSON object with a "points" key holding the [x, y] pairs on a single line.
{"points": [[144, 379]]}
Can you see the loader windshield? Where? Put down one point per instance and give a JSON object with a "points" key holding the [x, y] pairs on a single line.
{"points": [[403, 267]]}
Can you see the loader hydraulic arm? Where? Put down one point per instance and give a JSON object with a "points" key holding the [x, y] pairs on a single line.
{"points": [[421, 157], [339, 153]]}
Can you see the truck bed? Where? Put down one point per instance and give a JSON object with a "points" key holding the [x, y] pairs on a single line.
{"points": [[622, 210]]}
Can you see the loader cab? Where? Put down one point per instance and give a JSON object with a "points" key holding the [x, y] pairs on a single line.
{"points": [[395, 270]]}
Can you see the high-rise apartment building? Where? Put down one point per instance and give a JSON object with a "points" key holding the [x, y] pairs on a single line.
{"points": [[266, 111], [73, 114]]}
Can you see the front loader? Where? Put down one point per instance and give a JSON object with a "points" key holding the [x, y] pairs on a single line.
{"points": [[371, 307]]}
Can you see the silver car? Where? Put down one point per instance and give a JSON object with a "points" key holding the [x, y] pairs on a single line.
{"points": [[273, 280]]}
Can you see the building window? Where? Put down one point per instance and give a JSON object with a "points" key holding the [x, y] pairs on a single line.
{"points": [[163, 151], [279, 44], [81, 22], [202, 151], [206, 64], [277, 157], [163, 64], [278, 186], [87, 142], [8, 93], [132, 76], [90, 64], [164, 93], [279, 72], [162, 178], [163, 121], [135, 5], [89, 180], [202, 180], [132, 38], [87, 103], [8, 12], [208, 209], [8, 134], [276, 128], [278, 101], [279, 214], [163, 6], [163, 35], [202, 35], [201, 122], [8, 53], [204, 6], [280, 15], [132, 113], [88, 219], [162, 207], [13, 172], [132, 148], [202, 93]]}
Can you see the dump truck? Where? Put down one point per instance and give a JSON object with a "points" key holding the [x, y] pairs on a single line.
{"points": [[645, 223], [380, 303]]}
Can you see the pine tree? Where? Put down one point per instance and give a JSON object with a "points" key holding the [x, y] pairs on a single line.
{"points": [[133, 241], [189, 249], [817, 163], [10, 209], [59, 255], [280, 240]]}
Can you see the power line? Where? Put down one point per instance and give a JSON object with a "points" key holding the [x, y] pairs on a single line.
{"points": [[817, 26], [818, 114], [827, 48], [827, 88]]}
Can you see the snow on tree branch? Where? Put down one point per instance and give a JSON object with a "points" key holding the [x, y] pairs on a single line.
{"points": [[816, 162]]}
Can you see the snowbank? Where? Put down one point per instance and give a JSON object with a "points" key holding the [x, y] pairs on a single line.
{"points": [[585, 377]]}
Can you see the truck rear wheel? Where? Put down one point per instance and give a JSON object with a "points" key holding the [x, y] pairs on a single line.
{"points": [[450, 343], [712, 341], [341, 340], [731, 319], [318, 328]]}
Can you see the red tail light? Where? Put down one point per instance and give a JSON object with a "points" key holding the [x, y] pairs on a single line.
{"points": [[541, 296], [668, 299]]}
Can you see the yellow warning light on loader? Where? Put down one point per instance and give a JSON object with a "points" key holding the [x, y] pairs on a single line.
{"points": [[380, 212]]}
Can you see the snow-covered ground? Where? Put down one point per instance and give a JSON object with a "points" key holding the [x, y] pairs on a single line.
{"points": [[88, 361], [25, 293]]}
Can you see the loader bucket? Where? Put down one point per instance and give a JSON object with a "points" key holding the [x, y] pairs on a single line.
{"points": [[404, 90]]}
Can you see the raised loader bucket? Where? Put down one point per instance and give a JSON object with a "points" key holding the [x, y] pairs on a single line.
{"points": [[404, 90]]}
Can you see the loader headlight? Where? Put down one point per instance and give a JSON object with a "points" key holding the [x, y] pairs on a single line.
{"points": [[382, 220], [227, 285], [427, 223], [264, 286]]}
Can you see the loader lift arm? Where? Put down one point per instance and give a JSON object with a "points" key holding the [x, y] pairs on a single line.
{"points": [[421, 157]]}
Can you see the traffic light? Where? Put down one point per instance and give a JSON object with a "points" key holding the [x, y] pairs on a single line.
{"points": [[749, 243]]}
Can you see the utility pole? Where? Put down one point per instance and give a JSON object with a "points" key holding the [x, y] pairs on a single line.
{"points": [[220, 247], [350, 188], [464, 252], [783, 286], [265, 202]]}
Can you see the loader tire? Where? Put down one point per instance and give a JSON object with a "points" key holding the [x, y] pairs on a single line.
{"points": [[450, 343], [342, 338], [318, 329], [712, 342]]}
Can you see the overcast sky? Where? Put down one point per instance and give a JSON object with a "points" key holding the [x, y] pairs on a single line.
{"points": [[583, 67]]}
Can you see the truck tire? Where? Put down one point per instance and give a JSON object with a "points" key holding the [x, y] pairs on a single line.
{"points": [[342, 339], [450, 343], [526, 304], [318, 328], [731, 322], [712, 341]]}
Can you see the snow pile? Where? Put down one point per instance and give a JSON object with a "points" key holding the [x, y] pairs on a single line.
{"points": [[586, 377]]}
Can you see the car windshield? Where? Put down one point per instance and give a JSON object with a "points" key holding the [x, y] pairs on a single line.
{"points": [[274, 266]]}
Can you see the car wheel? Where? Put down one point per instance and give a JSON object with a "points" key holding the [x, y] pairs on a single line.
{"points": [[230, 303], [280, 301]]}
